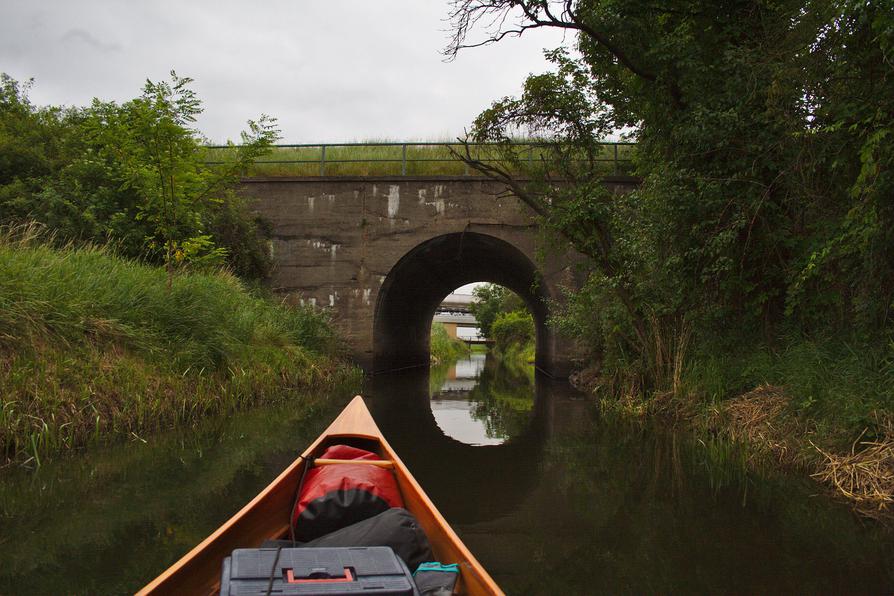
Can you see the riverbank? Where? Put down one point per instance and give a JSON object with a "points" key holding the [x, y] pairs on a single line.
{"points": [[95, 348], [444, 348], [773, 426]]}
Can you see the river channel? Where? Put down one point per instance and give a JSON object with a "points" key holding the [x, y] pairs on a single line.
{"points": [[551, 497]]}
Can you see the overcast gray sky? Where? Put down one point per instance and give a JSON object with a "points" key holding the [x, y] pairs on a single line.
{"points": [[338, 70]]}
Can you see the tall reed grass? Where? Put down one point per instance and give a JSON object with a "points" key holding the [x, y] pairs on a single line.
{"points": [[94, 346], [444, 348]]}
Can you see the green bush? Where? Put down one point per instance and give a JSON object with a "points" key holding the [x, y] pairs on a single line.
{"points": [[514, 328], [133, 174], [490, 301]]}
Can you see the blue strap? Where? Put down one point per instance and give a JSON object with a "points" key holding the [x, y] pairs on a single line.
{"points": [[435, 566]]}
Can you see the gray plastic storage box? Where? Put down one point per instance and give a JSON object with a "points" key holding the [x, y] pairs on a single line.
{"points": [[331, 571]]}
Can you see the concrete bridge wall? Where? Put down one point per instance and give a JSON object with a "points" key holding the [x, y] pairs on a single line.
{"points": [[383, 253]]}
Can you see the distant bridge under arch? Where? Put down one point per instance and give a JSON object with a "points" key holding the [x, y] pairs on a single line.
{"points": [[455, 313], [382, 252]]}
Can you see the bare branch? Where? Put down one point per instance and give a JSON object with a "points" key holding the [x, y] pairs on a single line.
{"points": [[535, 14], [496, 173]]}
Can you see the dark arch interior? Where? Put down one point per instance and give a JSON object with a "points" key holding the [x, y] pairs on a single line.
{"points": [[418, 283]]}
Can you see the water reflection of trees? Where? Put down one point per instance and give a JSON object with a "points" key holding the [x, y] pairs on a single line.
{"points": [[644, 507], [503, 398], [438, 374], [139, 507]]}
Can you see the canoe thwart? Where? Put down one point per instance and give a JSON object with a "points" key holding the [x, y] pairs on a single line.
{"points": [[382, 463]]}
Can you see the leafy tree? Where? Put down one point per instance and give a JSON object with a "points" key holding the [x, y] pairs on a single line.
{"points": [[244, 234], [490, 301], [133, 174], [151, 140], [33, 146], [487, 305], [850, 91], [764, 146]]}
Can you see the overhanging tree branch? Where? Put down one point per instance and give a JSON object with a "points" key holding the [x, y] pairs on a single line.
{"points": [[467, 14]]}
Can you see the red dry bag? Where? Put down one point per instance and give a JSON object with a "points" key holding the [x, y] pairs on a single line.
{"points": [[338, 495]]}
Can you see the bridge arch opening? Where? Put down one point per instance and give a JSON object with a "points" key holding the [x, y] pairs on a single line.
{"points": [[422, 278]]}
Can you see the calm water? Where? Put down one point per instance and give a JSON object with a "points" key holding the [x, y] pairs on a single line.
{"points": [[551, 498]]}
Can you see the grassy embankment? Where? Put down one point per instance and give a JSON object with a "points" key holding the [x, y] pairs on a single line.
{"points": [[519, 353], [813, 405], [386, 160], [94, 347], [443, 347]]}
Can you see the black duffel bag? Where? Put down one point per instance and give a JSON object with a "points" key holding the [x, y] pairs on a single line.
{"points": [[395, 527]]}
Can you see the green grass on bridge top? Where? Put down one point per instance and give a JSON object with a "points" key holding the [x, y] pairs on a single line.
{"points": [[396, 159]]}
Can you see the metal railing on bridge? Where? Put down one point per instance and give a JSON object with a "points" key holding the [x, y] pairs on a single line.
{"points": [[405, 159]]}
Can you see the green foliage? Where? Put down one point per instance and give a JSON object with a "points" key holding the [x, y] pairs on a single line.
{"points": [[487, 305], [513, 328], [765, 148], [133, 174], [503, 317], [504, 398], [842, 383], [244, 235], [35, 145], [852, 248], [444, 348], [29, 145], [490, 301], [94, 345]]}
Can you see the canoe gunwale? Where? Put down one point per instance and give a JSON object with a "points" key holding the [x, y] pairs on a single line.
{"points": [[249, 528]]}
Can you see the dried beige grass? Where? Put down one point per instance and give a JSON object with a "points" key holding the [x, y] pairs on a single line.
{"points": [[865, 476], [760, 418]]}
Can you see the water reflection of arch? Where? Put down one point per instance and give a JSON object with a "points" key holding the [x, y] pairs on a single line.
{"points": [[400, 403]]}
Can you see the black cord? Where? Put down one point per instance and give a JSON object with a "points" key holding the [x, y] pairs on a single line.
{"points": [[273, 571], [308, 463]]}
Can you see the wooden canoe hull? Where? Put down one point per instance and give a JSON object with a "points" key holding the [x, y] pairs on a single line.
{"points": [[267, 517]]}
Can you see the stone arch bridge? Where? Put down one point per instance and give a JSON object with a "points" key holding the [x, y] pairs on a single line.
{"points": [[382, 252]]}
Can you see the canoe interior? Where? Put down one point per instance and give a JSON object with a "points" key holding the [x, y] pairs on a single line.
{"points": [[266, 517]]}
